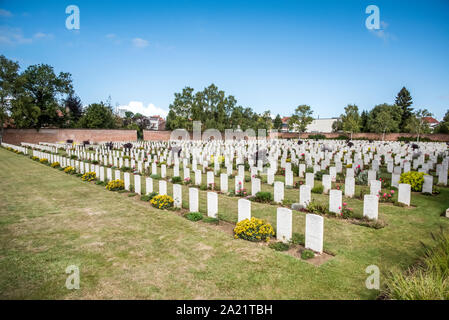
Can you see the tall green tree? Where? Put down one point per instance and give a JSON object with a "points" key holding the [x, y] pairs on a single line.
{"points": [[74, 110], [277, 123], [443, 126], [417, 124], [301, 118], [351, 120], [98, 116], [9, 72], [364, 121], [41, 96], [385, 118], [404, 101]]}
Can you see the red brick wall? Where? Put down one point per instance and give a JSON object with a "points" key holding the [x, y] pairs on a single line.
{"points": [[16, 136], [165, 135], [156, 135]]}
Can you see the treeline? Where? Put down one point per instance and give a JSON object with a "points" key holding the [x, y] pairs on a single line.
{"points": [[387, 118], [215, 110], [39, 98]]}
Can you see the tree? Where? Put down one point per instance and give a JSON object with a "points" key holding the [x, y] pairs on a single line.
{"points": [[351, 120], [8, 81], [180, 112], [74, 109], [417, 124], [301, 118], [384, 118], [443, 126], [98, 116], [277, 124], [41, 92], [337, 126], [404, 101], [364, 121]]}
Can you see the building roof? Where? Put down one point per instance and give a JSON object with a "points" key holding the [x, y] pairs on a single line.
{"points": [[431, 120]]}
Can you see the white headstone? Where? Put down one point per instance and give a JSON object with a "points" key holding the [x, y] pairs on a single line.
{"points": [[304, 195], [278, 191], [244, 209], [284, 224], [162, 187], [177, 196], [193, 199], [370, 206], [212, 204], [335, 201], [404, 193], [314, 232]]}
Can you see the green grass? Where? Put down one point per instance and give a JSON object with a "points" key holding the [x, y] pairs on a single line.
{"points": [[127, 249]]}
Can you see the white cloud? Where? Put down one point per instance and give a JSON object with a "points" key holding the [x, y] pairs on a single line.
{"points": [[5, 13], [13, 36], [149, 110], [41, 35], [382, 33], [140, 43]]}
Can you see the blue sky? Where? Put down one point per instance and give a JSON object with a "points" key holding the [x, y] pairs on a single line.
{"points": [[271, 55]]}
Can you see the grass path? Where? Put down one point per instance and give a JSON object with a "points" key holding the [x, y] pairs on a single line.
{"points": [[126, 249]]}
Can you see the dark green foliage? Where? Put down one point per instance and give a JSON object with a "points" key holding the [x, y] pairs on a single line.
{"points": [[307, 254], [194, 216], [265, 197], [176, 180], [318, 189], [279, 246], [298, 238]]}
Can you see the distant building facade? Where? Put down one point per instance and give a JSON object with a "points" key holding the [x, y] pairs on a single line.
{"points": [[318, 125]]}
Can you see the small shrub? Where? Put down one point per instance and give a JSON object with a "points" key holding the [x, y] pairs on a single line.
{"points": [[176, 180], [211, 220], [318, 189], [162, 202], [55, 165], [414, 179], [253, 230], [307, 254], [317, 208], [148, 197], [279, 246], [74, 157], [69, 170], [34, 158], [155, 177], [203, 187], [264, 197], [194, 216], [115, 185], [298, 238], [89, 176], [126, 169], [43, 160]]}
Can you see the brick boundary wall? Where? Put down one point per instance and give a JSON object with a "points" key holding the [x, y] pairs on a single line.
{"points": [[16, 136], [165, 135]]}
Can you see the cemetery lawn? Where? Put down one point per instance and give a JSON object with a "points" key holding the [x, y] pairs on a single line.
{"points": [[126, 249]]}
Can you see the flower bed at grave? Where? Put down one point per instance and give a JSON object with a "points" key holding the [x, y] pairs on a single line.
{"points": [[115, 185], [44, 160], [386, 196], [414, 179], [70, 170], [89, 176], [162, 202], [253, 230], [55, 164]]}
